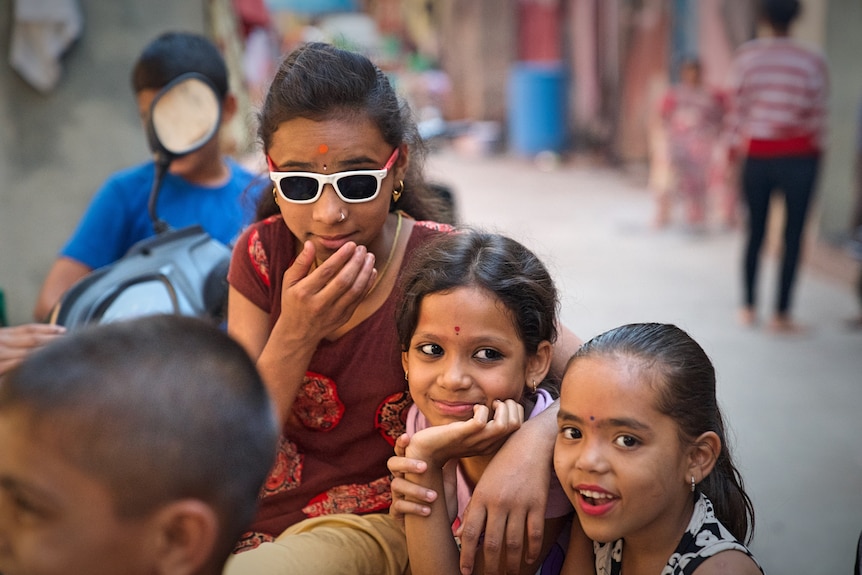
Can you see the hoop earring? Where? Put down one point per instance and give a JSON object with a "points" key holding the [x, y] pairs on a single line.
{"points": [[692, 484], [534, 385], [396, 192], [275, 196]]}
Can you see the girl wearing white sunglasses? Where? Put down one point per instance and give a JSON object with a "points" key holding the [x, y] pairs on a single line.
{"points": [[312, 299]]}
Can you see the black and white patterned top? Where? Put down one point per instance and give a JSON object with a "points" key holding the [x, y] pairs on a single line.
{"points": [[704, 537]]}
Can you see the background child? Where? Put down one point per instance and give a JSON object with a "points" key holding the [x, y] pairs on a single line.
{"points": [[203, 187], [642, 454], [691, 116], [476, 322], [134, 447]]}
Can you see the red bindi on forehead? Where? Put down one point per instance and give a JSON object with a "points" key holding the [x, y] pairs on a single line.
{"points": [[322, 148], [457, 330]]}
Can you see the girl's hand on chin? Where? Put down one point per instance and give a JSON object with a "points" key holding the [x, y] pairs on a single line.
{"points": [[317, 301], [476, 436]]}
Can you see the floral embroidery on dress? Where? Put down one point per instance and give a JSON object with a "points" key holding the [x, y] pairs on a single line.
{"points": [[257, 254], [252, 540], [391, 417], [286, 473], [317, 405], [354, 498], [704, 537], [434, 226]]}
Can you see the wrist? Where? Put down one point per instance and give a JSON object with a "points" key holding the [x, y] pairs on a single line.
{"points": [[424, 453]]}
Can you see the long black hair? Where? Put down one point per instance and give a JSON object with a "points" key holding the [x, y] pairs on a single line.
{"points": [[685, 383], [318, 81]]}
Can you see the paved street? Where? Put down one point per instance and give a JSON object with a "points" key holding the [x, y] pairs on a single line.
{"points": [[793, 404]]}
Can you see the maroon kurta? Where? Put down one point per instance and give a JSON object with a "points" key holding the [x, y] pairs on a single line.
{"points": [[351, 408]]}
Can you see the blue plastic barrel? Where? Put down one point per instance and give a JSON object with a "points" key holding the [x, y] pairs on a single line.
{"points": [[537, 107]]}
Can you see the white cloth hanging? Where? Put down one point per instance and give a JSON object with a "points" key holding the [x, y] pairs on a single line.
{"points": [[42, 30]]}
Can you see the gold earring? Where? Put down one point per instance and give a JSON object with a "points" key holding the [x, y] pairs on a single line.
{"points": [[396, 192], [275, 196], [534, 385], [405, 375]]}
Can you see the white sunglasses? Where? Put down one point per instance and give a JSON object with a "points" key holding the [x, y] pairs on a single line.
{"points": [[353, 187]]}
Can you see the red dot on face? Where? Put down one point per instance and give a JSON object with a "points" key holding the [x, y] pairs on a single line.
{"points": [[457, 329], [322, 148]]}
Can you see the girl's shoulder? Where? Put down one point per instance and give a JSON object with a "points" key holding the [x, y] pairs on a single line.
{"points": [[423, 230], [266, 246], [427, 226], [707, 546], [730, 562], [270, 229]]}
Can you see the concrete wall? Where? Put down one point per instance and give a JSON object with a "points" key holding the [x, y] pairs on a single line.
{"points": [[843, 45], [834, 26], [57, 148], [478, 45]]}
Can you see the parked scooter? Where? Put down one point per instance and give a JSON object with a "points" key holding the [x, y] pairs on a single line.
{"points": [[179, 271]]}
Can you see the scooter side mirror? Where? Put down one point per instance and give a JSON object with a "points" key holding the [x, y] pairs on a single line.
{"points": [[184, 116]]}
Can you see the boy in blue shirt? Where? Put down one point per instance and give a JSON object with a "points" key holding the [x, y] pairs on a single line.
{"points": [[204, 187]]}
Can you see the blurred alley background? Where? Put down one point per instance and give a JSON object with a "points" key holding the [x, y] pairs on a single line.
{"points": [[541, 116]]}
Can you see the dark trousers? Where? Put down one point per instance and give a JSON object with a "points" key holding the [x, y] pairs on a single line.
{"points": [[795, 178]]}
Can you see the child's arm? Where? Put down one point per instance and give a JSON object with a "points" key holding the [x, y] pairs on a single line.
{"points": [[430, 543], [407, 497], [509, 502]]}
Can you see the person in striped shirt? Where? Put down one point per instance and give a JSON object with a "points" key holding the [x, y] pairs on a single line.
{"points": [[776, 127]]}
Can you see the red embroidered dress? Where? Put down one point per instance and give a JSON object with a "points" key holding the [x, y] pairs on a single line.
{"points": [[352, 406]]}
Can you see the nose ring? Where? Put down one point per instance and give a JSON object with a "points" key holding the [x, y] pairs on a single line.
{"points": [[342, 217]]}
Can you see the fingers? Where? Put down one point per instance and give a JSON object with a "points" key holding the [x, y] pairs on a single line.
{"points": [[402, 507], [481, 413], [494, 542], [19, 341], [401, 444], [316, 301], [508, 414], [29, 335], [350, 268], [470, 533], [40, 329], [410, 498], [350, 275], [304, 260], [535, 535], [399, 465], [503, 543]]}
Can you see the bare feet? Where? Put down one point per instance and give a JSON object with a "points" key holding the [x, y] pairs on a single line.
{"points": [[747, 317], [782, 324]]}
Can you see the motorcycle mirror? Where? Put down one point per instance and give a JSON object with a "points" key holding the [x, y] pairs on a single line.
{"points": [[184, 116]]}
